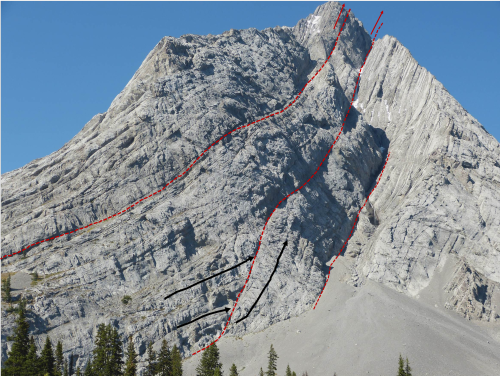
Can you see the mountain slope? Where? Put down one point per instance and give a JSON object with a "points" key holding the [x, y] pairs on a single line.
{"points": [[187, 94], [443, 195]]}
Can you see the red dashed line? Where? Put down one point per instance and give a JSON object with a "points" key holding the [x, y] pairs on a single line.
{"points": [[381, 13], [179, 176], [352, 230], [206, 150], [285, 198], [341, 9]]}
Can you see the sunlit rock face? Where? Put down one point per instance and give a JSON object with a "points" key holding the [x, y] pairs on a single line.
{"points": [[439, 194]]}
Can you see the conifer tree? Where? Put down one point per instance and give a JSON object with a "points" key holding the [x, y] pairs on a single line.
{"points": [[176, 362], [78, 372], [107, 353], [407, 368], [203, 368], [217, 372], [70, 365], [288, 370], [6, 290], [100, 355], [47, 360], [271, 365], [294, 374], [31, 364], [151, 361], [131, 362], [116, 352], [89, 369], [261, 372], [233, 371], [59, 360], [164, 364], [209, 362], [65, 368], [401, 369], [22, 306], [17, 355]]}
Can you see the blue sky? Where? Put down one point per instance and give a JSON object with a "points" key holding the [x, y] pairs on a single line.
{"points": [[64, 62]]}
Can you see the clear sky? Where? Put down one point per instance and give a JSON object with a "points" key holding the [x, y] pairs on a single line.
{"points": [[64, 62]]}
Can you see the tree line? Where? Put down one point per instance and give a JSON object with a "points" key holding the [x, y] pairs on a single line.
{"points": [[107, 356], [108, 359]]}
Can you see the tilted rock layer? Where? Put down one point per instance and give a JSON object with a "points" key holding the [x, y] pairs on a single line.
{"points": [[439, 194]]}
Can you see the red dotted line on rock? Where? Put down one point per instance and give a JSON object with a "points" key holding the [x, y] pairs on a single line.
{"points": [[302, 186], [190, 166], [353, 95], [352, 231], [338, 17]]}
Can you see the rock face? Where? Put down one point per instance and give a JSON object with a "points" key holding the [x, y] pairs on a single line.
{"points": [[440, 196], [473, 295]]}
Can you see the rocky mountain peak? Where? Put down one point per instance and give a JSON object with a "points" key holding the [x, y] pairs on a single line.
{"points": [[433, 219]]}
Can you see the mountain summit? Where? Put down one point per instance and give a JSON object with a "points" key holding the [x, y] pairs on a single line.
{"points": [[430, 229]]}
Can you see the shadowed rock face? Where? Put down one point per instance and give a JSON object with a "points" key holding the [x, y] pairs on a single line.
{"points": [[439, 193]]}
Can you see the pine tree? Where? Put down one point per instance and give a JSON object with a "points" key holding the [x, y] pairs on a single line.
{"points": [[47, 360], [176, 362], [70, 365], [116, 352], [59, 359], [164, 364], [203, 368], [78, 372], [151, 361], [294, 374], [233, 371], [209, 362], [21, 306], [31, 363], [107, 352], [89, 369], [401, 369], [261, 372], [101, 351], [217, 372], [131, 362], [65, 368], [288, 370], [215, 358], [407, 368], [271, 365], [19, 351], [6, 290]]}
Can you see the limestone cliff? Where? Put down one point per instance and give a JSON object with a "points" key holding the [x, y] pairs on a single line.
{"points": [[439, 195]]}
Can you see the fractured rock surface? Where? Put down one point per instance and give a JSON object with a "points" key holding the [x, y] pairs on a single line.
{"points": [[439, 195]]}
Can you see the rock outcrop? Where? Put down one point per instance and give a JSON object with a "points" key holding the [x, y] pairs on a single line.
{"points": [[440, 194]]}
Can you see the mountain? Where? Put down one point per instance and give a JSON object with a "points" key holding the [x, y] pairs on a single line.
{"points": [[425, 252]]}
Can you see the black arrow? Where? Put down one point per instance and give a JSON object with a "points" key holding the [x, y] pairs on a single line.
{"points": [[276, 266], [206, 314], [215, 275]]}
